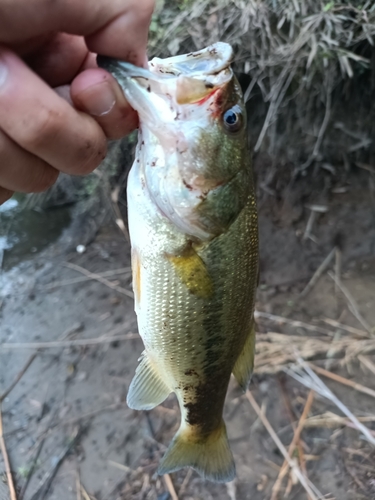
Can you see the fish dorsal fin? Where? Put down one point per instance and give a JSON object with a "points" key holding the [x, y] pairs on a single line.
{"points": [[244, 366], [147, 389]]}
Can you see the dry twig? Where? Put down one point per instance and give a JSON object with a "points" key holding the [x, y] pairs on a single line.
{"points": [[78, 486], [99, 278], [4, 452], [343, 380], [276, 350], [309, 226], [70, 343], [31, 469], [185, 482], [166, 477], [321, 269], [122, 467], [85, 495], [292, 322], [80, 279], [338, 261], [315, 153], [18, 377], [296, 437], [46, 481], [90, 414], [2, 442], [296, 54], [170, 486], [347, 328], [305, 482], [118, 217], [332, 420], [352, 304], [367, 363], [305, 375]]}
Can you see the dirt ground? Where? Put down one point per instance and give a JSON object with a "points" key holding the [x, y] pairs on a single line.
{"points": [[67, 429]]}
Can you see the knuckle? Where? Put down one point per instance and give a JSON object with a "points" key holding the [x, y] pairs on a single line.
{"points": [[90, 154], [44, 179], [43, 129]]}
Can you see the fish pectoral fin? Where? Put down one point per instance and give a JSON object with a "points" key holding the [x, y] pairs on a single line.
{"points": [[193, 272], [147, 389], [210, 456], [243, 369]]}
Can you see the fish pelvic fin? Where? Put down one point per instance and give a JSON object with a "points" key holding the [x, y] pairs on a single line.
{"points": [[210, 456], [147, 389], [243, 369]]}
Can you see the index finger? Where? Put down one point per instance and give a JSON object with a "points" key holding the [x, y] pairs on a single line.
{"points": [[116, 28]]}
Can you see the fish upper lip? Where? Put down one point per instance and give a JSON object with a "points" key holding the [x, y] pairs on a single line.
{"points": [[209, 61]]}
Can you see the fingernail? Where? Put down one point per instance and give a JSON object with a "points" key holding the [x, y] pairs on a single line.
{"points": [[102, 101], [3, 71]]}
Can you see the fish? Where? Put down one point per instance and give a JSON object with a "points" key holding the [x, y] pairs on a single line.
{"points": [[194, 246]]}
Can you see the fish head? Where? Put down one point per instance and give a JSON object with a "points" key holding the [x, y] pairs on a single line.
{"points": [[192, 139]]}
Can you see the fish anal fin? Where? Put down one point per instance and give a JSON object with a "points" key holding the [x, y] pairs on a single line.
{"points": [[210, 456], [193, 272], [244, 366], [147, 389]]}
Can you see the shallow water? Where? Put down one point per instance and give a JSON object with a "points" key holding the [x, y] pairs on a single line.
{"points": [[25, 232]]}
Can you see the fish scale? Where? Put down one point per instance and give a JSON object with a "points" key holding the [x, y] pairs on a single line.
{"points": [[194, 236]]}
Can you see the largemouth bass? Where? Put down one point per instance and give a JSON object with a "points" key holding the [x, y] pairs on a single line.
{"points": [[194, 238]]}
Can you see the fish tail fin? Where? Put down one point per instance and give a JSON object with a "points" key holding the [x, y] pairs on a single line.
{"points": [[210, 456], [147, 389]]}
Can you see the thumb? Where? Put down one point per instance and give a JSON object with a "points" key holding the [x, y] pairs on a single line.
{"points": [[97, 93]]}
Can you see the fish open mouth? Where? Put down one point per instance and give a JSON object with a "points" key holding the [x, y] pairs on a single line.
{"points": [[206, 62], [177, 99], [188, 78]]}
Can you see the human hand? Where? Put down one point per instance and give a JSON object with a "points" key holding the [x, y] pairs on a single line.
{"points": [[44, 45]]}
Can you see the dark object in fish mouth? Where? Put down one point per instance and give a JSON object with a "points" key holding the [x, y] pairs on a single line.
{"points": [[105, 62]]}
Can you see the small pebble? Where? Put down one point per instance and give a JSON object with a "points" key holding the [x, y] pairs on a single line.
{"points": [[81, 249]]}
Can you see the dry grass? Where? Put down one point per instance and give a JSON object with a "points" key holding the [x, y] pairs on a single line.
{"points": [[305, 60], [303, 373], [276, 350]]}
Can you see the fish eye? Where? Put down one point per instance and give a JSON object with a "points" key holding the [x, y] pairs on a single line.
{"points": [[232, 119]]}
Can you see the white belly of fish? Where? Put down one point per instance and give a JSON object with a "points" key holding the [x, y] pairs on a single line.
{"points": [[168, 314]]}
